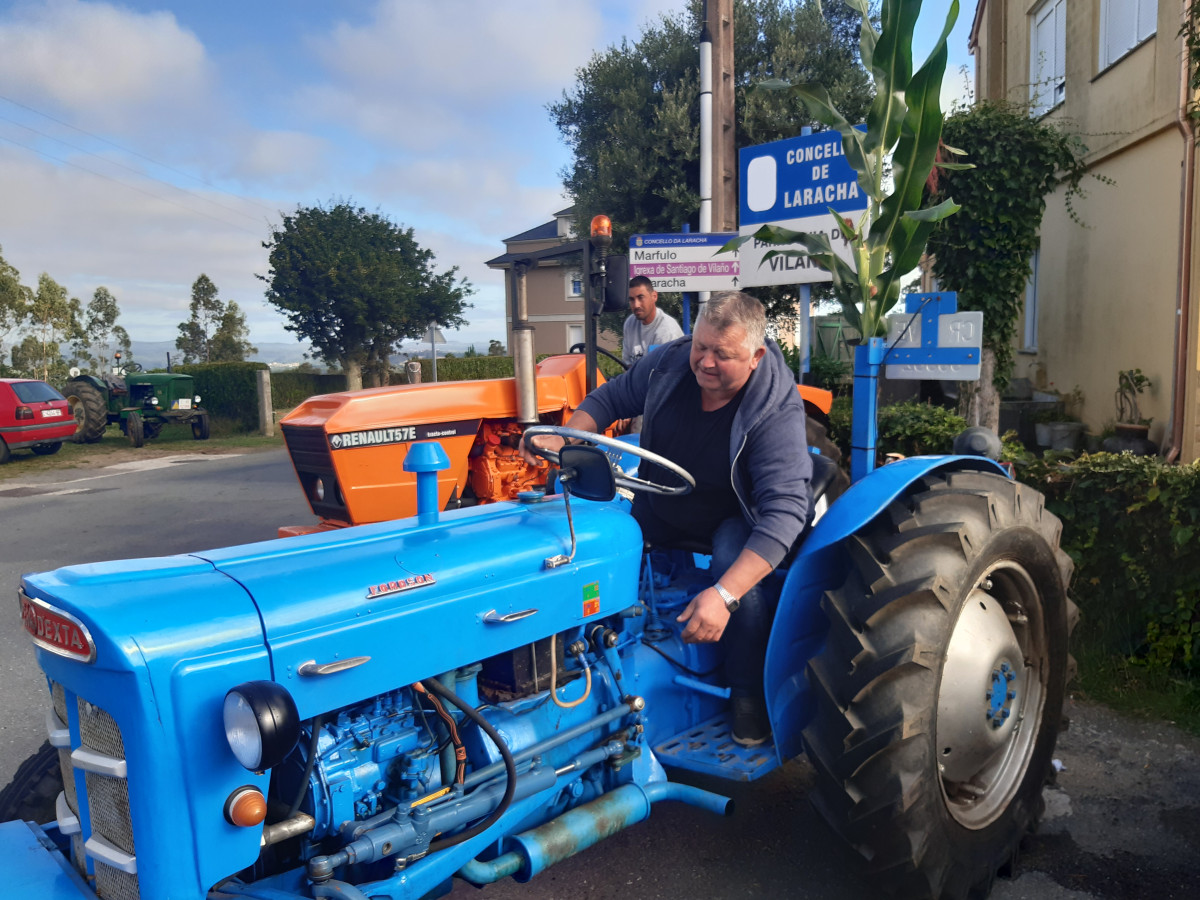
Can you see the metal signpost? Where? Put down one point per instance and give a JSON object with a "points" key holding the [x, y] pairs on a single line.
{"points": [[795, 183], [435, 337], [932, 341], [685, 262]]}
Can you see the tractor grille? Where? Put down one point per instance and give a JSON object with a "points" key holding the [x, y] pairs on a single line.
{"points": [[107, 796], [313, 462]]}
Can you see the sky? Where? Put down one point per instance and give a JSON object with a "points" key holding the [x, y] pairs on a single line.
{"points": [[143, 143]]}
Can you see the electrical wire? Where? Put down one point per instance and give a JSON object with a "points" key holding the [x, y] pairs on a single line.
{"points": [[460, 752], [432, 685], [677, 664], [317, 722], [587, 674]]}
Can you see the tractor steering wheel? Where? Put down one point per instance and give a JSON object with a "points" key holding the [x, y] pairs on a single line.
{"points": [[609, 444], [582, 348], [132, 366]]}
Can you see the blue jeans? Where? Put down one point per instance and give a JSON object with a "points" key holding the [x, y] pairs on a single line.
{"points": [[745, 639]]}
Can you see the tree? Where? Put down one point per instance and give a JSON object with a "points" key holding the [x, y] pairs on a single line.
{"points": [[231, 341], [100, 335], [495, 348], [53, 317], [355, 286], [984, 252], [632, 118], [14, 302], [216, 331]]}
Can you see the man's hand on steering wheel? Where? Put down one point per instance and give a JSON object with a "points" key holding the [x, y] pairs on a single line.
{"points": [[554, 436]]}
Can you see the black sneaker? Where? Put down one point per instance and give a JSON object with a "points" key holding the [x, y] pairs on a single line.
{"points": [[750, 725]]}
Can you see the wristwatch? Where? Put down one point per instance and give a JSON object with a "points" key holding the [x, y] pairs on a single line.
{"points": [[731, 602]]}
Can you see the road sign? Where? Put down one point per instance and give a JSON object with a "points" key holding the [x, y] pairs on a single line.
{"points": [[684, 262], [932, 341], [794, 183]]}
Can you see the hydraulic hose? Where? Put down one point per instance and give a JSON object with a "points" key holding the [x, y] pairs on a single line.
{"points": [[306, 778], [510, 766]]}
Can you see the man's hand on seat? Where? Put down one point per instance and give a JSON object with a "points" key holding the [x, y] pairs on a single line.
{"points": [[706, 616]]}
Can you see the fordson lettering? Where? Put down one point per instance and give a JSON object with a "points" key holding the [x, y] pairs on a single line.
{"points": [[56, 631], [403, 584]]}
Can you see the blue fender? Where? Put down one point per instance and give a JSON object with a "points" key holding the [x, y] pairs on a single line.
{"points": [[821, 564]]}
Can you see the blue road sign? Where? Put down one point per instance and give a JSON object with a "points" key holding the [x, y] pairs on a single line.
{"points": [[795, 183]]}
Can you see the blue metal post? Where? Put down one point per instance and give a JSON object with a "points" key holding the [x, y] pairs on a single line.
{"points": [[805, 330], [868, 357], [687, 297], [426, 458]]}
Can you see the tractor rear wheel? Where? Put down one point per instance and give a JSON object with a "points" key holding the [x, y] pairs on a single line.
{"points": [[200, 427], [134, 429], [90, 410], [939, 692], [31, 795]]}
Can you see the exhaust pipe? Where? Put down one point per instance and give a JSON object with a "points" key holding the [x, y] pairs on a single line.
{"points": [[580, 828]]}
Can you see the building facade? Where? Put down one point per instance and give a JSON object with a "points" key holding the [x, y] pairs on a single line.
{"points": [[1117, 291], [554, 290]]}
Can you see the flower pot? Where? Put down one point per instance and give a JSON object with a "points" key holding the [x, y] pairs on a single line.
{"points": [[1064, 435], [1041, 431], [1132, 438]]}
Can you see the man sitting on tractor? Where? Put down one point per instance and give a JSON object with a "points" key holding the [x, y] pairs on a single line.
{"points": [[738, 427]]}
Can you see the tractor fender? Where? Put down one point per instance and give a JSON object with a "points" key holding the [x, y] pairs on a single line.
{"points": [[821, 563]]}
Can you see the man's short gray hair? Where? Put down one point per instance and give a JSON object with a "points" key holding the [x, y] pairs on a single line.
{"points": [[730, 308]]}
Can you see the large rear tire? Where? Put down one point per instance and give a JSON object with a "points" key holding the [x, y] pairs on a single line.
{"points": [[940, 689], [31, 795], [90, 410]]}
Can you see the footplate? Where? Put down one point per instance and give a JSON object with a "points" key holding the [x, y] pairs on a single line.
{"points": [[709, 748]]}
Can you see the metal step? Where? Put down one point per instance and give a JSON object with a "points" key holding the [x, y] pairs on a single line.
{"points": [[709, 748]]}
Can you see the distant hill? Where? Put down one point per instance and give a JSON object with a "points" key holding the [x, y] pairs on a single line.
{"points": [[153, 354]]}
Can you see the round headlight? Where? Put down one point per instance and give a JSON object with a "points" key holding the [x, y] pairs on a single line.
{"points": [[319, 490], [197, 398], [262, 725], [154, 401]]}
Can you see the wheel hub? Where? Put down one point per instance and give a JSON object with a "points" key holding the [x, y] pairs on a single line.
{"points": [[980, 681]]}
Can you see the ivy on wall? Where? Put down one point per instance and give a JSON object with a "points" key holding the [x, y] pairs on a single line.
{"points": [[984, 252]]}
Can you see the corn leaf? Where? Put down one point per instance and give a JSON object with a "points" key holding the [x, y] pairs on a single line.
{"points": [[891, 66]]}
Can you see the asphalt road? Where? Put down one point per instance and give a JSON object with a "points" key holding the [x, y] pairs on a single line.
{"points": [[1123, 820]]}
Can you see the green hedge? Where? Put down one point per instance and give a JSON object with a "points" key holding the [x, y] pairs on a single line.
{"points": [[228, 390], [289, 389], [1130, 523], [911, 429], [474, 368]]}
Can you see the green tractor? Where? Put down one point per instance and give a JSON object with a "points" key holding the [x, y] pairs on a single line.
{"points": [[142, 402]]}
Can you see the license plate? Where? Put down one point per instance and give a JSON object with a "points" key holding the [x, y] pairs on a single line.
{"points": [[51, 413], [183, 404]]}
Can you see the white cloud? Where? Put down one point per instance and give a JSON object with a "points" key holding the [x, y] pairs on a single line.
{"points": [[101, 64]]}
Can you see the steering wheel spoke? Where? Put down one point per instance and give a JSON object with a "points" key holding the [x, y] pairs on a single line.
{"points": [[623, 479]]}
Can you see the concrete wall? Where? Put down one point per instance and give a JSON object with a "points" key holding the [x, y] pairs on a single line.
{"points": [[1107, 291]]}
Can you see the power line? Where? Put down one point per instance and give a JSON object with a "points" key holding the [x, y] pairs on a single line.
{"points": [[122, 165], [67, 162], [131, 152]]}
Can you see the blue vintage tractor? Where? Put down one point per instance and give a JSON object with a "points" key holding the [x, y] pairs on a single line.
{"points": [[483, 692]]}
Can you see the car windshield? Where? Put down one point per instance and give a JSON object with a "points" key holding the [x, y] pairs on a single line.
{"points": [[35, 392]]}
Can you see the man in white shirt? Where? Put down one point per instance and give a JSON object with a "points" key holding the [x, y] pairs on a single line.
{"points": [[647, 326]]}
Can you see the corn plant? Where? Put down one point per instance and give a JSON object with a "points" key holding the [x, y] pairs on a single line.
{"points": [[903, 131]]}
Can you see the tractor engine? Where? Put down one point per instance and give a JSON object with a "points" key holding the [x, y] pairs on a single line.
{"points": [[497, 470]]}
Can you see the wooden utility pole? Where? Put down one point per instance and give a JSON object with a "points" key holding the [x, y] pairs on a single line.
{"points": [[719, 20]]}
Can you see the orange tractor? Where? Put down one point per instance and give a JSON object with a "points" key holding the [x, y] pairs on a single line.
{"points": [[348, 448]]}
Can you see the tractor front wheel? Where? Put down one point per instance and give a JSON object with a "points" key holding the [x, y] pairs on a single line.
{"points": [[939, 693], [200, 427], [135, 430], [31, 795], [90, 410]]}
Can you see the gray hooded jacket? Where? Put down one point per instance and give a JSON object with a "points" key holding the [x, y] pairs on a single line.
{"points": [[770, 466]]}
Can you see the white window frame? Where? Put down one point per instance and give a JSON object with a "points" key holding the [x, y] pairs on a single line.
{"points": [[1029, 343], [1124, 25], [1047, 57], [573, 278], [571, 333]]}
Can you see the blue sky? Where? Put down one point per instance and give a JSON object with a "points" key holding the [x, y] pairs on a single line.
{"points": [[142, 143]]}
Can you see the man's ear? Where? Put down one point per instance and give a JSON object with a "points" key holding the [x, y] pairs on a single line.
{"points": [[758, 355]]}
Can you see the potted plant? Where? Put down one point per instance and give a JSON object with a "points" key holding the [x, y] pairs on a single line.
{"points": [[1131, 430], [1059, 427]]}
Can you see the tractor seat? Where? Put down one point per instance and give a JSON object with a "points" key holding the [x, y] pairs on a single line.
{"points": [[116, 384]]}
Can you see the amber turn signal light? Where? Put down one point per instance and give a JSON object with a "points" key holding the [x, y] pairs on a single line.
{"points": [[246, 807]]}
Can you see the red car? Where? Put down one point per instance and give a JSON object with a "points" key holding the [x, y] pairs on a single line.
{"points": [[33, 415]]}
